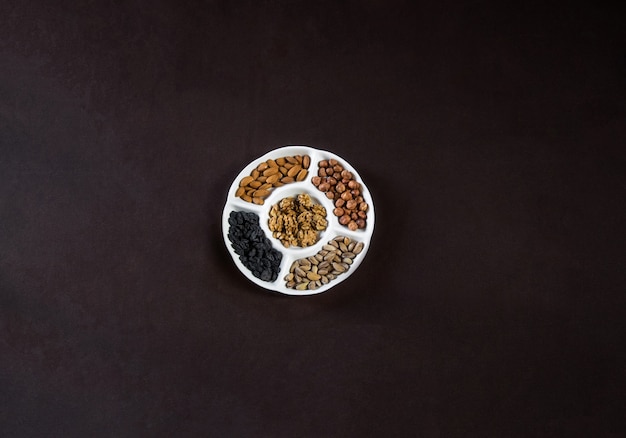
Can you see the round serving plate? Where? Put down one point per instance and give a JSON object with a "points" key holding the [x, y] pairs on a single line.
{"points": [[334, 230]]}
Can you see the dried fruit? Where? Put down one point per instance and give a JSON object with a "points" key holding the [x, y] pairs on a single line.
{"points": [[253, 248]]}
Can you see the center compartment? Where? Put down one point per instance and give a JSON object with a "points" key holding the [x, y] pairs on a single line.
{"points": [[297, 218]]}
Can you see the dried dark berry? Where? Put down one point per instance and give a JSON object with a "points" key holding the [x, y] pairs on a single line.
{"points": [[253, 248]]}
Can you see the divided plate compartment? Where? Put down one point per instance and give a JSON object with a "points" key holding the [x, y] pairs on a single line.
{"points": [[334, 228]]}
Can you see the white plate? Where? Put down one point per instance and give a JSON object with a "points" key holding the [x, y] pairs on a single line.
{"points": [[334, 228]]}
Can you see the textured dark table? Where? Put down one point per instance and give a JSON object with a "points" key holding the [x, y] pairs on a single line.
{"points": [[491, 303]]}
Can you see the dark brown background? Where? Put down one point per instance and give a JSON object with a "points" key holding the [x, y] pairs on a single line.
{"points": [[491, 303]]}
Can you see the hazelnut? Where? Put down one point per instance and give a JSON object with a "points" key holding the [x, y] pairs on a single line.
{"points": [[339, 185]]}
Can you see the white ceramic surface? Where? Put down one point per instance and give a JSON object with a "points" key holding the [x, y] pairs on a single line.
{"points": [[333, 230]]}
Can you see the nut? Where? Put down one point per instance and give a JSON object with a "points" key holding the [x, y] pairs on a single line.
{"points": [[338, 257], [344, 220], [297, 222], [301, 175], [270, 171], [270, 174], [294, 171], [340, 185]]}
